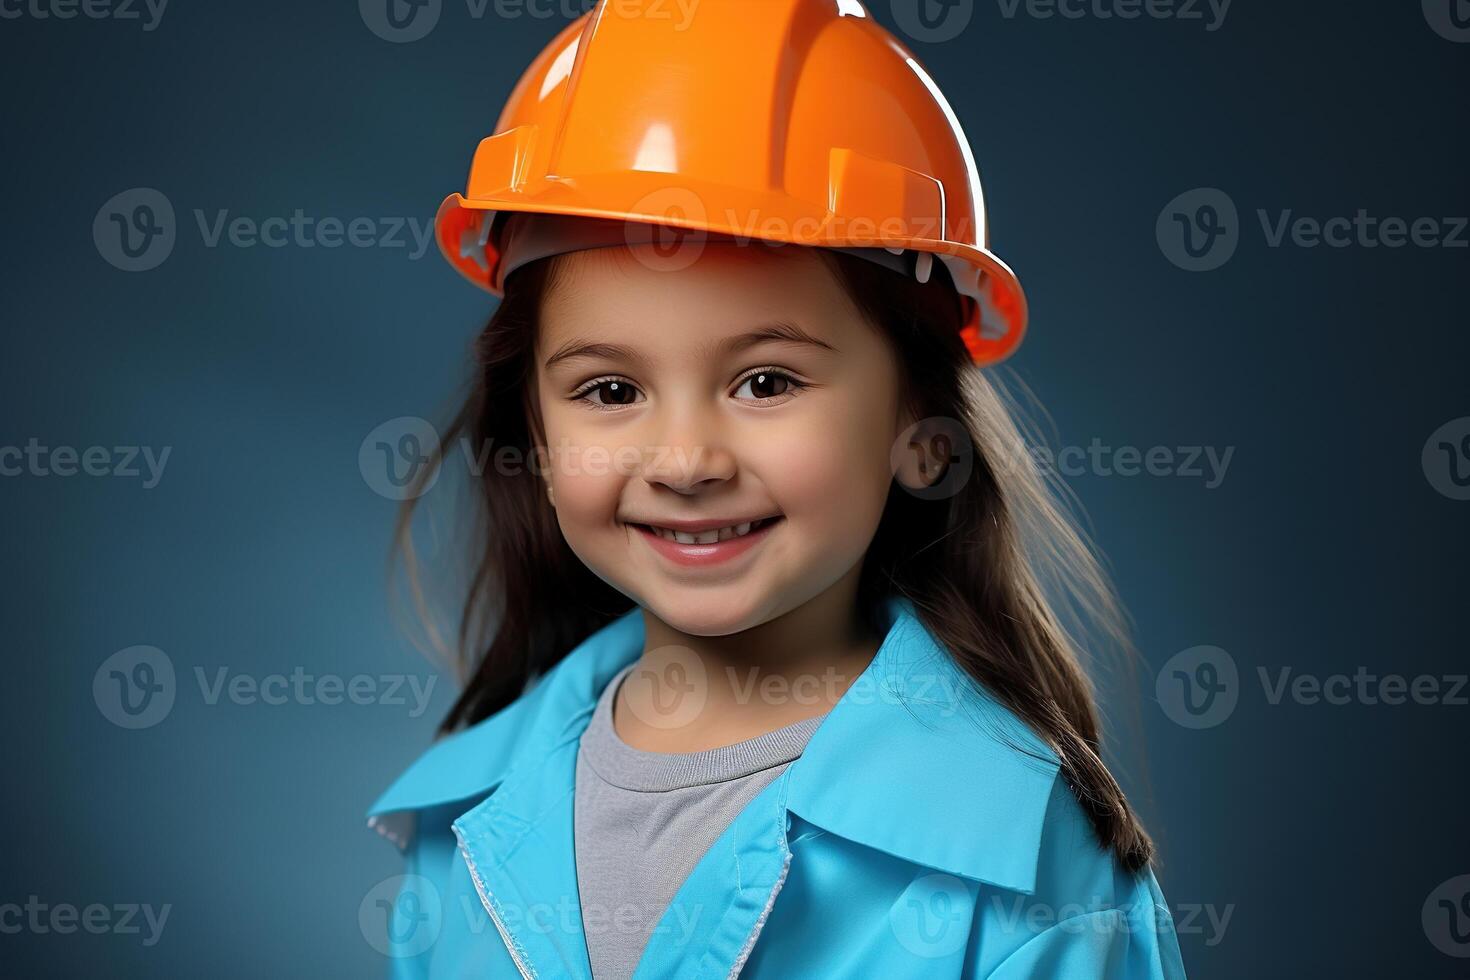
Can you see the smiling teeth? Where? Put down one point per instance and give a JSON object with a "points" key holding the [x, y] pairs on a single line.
{"points": [[703, 537]]}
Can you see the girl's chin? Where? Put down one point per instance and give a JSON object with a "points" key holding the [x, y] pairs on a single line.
{"points": [[706, 615]]}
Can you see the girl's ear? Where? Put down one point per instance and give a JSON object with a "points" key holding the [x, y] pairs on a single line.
{"points": [[920, 454]]}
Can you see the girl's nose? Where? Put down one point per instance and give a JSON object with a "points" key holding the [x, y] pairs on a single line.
{"points": [[691, 459]]}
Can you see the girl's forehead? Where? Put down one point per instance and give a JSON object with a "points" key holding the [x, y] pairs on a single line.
{"points": [[644, 294], [721, 304]]}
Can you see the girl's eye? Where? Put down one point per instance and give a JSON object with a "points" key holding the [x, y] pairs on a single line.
{"points": [[767, 384], [608, 393]]}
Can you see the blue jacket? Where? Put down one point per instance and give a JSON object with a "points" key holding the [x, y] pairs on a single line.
{"points": [[923, 833]]}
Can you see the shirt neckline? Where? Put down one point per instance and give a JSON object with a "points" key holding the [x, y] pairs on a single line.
{"points": [[620, 764]]}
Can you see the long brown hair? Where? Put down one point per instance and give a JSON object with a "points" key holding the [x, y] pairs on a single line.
{"points": [[998, 571]]}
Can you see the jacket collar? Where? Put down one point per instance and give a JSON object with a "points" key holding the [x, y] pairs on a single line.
{"points": [[915, 760], [919, 761]]}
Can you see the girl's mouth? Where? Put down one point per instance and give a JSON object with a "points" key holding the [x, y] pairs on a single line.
{"points": [[709, 545]]}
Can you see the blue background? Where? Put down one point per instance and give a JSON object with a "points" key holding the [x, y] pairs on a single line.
{"points": [[263, 549]]}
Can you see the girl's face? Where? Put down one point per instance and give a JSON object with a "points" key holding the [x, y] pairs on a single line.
{"points": [[719, 435]]}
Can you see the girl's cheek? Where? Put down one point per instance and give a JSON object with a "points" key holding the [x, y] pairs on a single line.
{"points": [[588, 480], [829, 474]]}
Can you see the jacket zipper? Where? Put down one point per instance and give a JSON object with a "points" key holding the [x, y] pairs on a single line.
{"points": [[484, 893], [760, 923]]}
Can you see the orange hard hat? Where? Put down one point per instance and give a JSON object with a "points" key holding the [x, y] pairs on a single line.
{"points": [[795, 121]]}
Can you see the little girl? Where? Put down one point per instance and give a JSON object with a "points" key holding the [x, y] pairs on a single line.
{"points": [[765, 666]]}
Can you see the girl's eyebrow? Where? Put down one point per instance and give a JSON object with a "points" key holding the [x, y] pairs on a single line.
{"points": [[575, 348], [778, 332]]}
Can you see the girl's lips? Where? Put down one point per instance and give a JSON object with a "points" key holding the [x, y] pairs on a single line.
{"points": [[700, 555]]}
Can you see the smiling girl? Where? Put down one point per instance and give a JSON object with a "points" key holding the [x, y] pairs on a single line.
{"points": [[765, 666]]}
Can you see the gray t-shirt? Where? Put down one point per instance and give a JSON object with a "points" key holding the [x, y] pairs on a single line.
{"points": [[644, 819]]}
